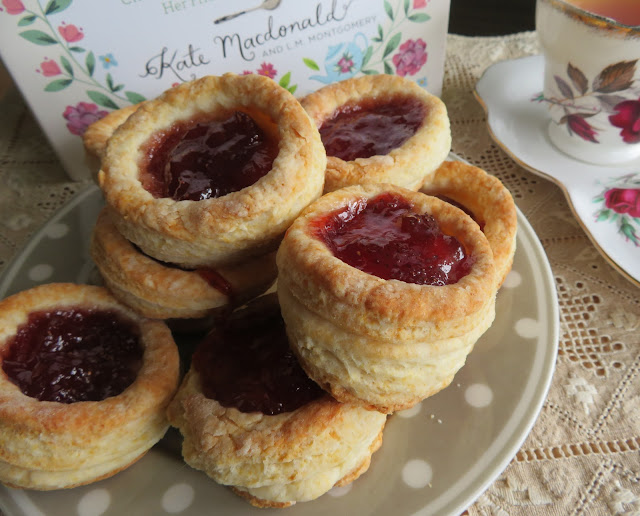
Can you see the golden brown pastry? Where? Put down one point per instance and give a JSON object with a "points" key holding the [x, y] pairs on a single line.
{"points": [[252, 420], [154, 178], [98, 133], [73, 411], [489, 203], [384, 343], [379, 128], [96, 136], [162, 291]]}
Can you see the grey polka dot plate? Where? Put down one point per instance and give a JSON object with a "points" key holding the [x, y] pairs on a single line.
{"points": [[436, 458]]}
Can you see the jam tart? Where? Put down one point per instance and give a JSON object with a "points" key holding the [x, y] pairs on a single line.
{"points": [[252, 420], [212, 171], [163, 291], [84, 386], [488, 202], [384, 292], [379, 128]]}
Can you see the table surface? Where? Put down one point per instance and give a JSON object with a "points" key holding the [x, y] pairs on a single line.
{"points": [[583, 454]]}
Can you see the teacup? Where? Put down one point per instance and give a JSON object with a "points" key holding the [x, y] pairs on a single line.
{"points": [[592, 77]]}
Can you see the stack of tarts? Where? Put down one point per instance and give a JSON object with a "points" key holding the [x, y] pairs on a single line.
{"points": [[200, 185], [388, 259]]}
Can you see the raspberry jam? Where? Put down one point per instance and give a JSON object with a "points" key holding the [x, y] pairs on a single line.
{"points": [[247, 364], [371, 128], [70, 355], [202, 160], [385, 238]]}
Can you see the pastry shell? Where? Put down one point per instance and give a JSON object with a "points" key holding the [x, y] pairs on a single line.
{"points": [[160, 291], [488, 200], [382, 344], [49, 445], [275, 460], [233, 227], [408, 165], [98, 133]]}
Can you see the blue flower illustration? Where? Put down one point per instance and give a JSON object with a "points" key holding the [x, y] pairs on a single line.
{"points": [[108, 61]]}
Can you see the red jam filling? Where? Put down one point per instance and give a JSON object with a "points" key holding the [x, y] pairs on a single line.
{"points": [[385, 238], [203, 160], [247, 364], [460, 206], [71, 355], [371, 128]]}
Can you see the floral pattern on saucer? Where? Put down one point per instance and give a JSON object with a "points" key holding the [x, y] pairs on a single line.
{"points": [[619, 203], [578, 101]]}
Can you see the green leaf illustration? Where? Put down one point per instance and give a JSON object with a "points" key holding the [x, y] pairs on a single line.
{"points": [[134, 98], [389, 9], [599, 199], [293, 89], [112, 86], [90, 62], [101, 99], [406, 6], [58, 84], [380, 32], [603, 215], [419, 17], [311, 64], [285, 79], [66, 65], [370, 72], [27, 20], [392, 44], [388, 68], [77, 49], [38, 37], [367, 56], [56, 6], [628, 231]]}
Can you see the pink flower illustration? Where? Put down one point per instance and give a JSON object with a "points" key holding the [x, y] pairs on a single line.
{"points": [[578, 124], [345, 65], [70, 33], [13, 6], [419, 4], [623, 200], [267, 70], [411, 57], [81, 116], [49, 68], [627, 118], [247, 72]]}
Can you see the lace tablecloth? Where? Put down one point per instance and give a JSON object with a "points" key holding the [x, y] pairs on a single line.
{"points": [[583, 454]]}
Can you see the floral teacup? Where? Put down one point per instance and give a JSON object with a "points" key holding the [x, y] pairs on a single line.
{"points": [[591, 83]]}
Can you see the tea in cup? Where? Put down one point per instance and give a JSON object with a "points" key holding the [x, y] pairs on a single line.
{"points": [[592, 77]]}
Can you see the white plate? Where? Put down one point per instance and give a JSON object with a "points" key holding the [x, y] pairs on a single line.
{"points": [[518, 123], [436, 458]]}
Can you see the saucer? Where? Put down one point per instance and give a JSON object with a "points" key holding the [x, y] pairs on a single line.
{"points": [[604, 199]]}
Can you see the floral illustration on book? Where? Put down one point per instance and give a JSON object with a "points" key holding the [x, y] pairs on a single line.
{"points": [[619, 203], [387, 52], [269, 70], [614, 92], [74, 64]]}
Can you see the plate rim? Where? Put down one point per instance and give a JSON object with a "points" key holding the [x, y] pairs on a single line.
{"points": [[481, 100], [477, 481]]}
